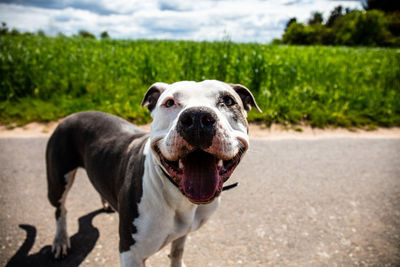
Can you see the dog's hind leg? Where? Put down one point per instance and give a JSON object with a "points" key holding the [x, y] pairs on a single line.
{"points": [[62, 161], [61, 241], [176, 255]]}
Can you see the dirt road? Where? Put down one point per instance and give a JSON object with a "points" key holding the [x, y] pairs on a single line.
{"points": [[333, 201]]}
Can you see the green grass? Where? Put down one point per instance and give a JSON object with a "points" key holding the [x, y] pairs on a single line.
{"points": [[44, 78]]}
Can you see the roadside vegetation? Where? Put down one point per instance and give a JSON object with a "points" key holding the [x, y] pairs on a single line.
{"points": [[46, 78], [377, 25], [350, 83]]}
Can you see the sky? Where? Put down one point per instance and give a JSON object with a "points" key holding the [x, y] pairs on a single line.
{"points": [[238, 20]]}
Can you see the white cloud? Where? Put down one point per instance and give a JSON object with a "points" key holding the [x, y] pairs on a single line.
{"points": [[243, 21]]}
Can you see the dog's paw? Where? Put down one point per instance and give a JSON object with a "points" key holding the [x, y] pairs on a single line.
{"points": [[60, 246], [177, 263], [106, 206]]}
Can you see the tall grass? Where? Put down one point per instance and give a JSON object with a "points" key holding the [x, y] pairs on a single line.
{"points": [[43, 78]]}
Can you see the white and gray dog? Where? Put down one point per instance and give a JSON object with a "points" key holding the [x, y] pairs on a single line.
{"points": [[164, 184]]}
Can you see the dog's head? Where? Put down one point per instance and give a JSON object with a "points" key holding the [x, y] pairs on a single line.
{"points": [[199, 133]]}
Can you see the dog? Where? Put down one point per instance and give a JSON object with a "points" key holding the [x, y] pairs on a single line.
{"points": [[163, 184]]}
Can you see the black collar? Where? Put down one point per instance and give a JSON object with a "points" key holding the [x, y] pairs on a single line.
{"points": [[169, 177]]}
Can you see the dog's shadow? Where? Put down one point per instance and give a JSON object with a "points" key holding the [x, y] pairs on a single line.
{"points": [[82, 243]]}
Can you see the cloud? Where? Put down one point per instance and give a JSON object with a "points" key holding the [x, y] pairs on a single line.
{"points": [[243, 21], [95, 6]]}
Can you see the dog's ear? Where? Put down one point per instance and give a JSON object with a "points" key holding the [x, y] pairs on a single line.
{"points": [[153, 93], [246, 96]]}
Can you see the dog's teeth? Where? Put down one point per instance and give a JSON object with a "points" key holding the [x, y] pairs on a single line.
{"points": [[180, 164], [220, 163]]}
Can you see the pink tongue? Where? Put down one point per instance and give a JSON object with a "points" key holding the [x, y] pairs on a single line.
{"points": [[200, 176]]}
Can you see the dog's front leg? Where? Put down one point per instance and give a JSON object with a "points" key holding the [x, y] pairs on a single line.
{"points": [[128, 259], [177, 248]]}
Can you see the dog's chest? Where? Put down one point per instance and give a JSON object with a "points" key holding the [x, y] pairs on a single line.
{"points": [[182, 223], [161, 222]]}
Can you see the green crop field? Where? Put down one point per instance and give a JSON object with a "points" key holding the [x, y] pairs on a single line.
{"points": [[45, 78]]}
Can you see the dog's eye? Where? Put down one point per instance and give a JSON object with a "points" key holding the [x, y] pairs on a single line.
{"points": [[228, 101], [169, 103]]}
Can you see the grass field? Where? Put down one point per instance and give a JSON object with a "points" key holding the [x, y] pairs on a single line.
{"points": [[44, 78]]}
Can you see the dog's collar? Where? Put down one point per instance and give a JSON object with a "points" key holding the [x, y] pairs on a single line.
{"points": [[227, 187], [169, 177]]}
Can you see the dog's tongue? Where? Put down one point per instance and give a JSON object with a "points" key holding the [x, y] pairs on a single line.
{"points": [[200, 176]]}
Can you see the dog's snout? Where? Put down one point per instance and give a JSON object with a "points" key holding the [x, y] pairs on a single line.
{"points": [[197, 126]]}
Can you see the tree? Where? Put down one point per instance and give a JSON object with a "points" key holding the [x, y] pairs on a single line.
{"points": [[394, 23], [298, 33], [15, 32], [316, 18], [41, 33], [104, 35], [276, 41], [336, 13], [392, 10], [86, 34], [291, 20], [362, 28], [383, 5], [4, 28], [346, 27]]}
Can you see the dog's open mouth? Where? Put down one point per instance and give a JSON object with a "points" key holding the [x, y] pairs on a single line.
{"points": [[200, 175]]}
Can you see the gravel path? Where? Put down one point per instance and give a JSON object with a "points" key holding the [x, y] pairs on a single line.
{"points": [[299, 203]]}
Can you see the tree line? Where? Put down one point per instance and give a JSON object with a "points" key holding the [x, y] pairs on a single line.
{"points": [[4, 30], [377, 25]]}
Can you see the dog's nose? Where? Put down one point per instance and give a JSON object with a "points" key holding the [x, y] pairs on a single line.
{"points": [[196, 119], [197, 126]]}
